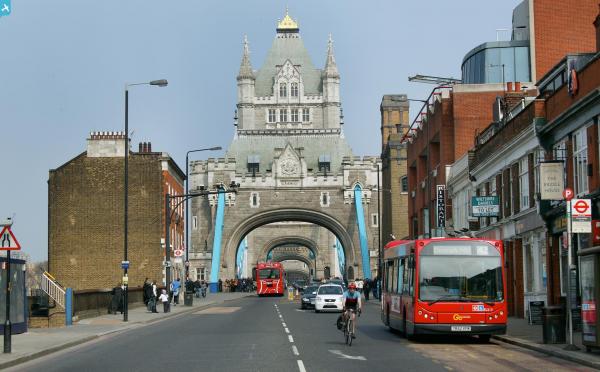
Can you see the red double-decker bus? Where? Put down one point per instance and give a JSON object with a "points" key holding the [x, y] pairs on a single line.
{"points": [[444, 286], [270, 278]]}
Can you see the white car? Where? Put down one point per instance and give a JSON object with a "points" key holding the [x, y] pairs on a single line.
{"points": [[329, 297]]}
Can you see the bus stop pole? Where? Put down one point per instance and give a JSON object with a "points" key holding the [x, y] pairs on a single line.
{"points": [[570, 346]]}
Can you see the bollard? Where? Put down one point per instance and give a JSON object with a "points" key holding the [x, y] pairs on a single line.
{"points": [[69, 306]]}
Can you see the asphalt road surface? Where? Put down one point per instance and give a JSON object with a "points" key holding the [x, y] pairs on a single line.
{"points": [[273, 334]]}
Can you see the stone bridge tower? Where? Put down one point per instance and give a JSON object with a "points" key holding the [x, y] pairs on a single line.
{"points": [[292, 162]]}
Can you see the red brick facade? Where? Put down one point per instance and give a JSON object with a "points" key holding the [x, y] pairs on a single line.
{"points": [[456, 114], [562, 27]]}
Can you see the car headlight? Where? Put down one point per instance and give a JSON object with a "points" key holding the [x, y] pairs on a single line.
{"points": [[319, 298]]}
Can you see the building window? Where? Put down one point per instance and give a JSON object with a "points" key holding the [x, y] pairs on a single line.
{"points": [[195, 222], [305, 114], [295, 115], [282, 90], [325, 199], [201, 273], [253, 164], [324, 164], [580, 160], [374, 220], [283, 115], [254, 200], [524, 182], [404, 184], [529, 265], [272, 115], [559, 152], [294, 90]]}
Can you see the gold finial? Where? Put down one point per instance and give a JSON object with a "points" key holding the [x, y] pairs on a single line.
{"points": [[287, 23]]}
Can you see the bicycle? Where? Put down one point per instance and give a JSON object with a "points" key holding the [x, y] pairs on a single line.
{"points": [[348, 328]]}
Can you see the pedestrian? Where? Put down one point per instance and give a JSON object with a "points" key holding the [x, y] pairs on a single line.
{"points": [[164, 298], [197, 288], [175, 288], [367, 288], [146, 291], [154, 297], [359, 285], [220, 287], [203, 288]]}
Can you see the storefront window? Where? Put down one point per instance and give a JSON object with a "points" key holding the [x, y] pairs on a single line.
{"points": [[588, 299], [529, 265]]}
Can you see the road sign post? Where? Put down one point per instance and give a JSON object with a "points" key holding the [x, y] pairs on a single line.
{"points": [[8, 242]]}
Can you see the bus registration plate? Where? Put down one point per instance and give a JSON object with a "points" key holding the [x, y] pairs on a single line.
{"points": [[460, 328]]}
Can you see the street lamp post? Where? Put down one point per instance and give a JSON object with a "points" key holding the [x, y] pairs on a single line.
{"points": [[187, 187], [125, 265]]}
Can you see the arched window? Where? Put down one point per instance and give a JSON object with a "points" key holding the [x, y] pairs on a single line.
{"points": [[294, 90], [350, 273], [282, 90], [327, 272]]}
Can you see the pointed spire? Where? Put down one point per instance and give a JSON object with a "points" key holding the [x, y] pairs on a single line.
{"points": [[246, 67], [330, 69]]}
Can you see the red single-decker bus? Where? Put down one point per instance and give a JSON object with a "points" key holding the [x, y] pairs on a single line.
{"points": [[269, 278], [444, 286]]}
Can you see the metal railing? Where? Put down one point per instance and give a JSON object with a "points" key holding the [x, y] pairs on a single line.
{"points": [[53, 289]]}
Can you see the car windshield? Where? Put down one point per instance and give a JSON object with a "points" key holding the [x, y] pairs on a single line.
{"points": [[470, 271], [310, 290], [269, 274], [330, 290]]}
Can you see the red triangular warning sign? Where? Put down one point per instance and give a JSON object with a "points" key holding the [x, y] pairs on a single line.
{"points": [[8, 240]]}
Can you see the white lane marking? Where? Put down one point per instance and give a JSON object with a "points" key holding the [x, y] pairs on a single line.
{"points": [[295, 350], [280, 317], [301, 366], [342, 355], [287, 330], [290, 338], [283, 324]]}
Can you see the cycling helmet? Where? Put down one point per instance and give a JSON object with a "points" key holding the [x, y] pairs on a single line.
{"points": [[351, 286]]}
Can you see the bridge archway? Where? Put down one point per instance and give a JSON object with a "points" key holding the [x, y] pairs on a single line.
{"points": [[282, 215]]}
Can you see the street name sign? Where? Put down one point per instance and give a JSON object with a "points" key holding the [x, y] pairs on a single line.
{"points": [[581, 216], [8, 242], [124, 264], [485, 206]]}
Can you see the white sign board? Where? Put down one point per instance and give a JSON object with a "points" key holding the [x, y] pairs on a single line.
{"points": [[552, 177], [581, 216]]}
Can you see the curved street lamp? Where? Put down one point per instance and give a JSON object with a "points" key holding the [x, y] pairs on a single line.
{"points": [[187, 186], [159, 83]]}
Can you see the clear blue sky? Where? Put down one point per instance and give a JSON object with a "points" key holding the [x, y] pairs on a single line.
{"points": [[63, 65]]}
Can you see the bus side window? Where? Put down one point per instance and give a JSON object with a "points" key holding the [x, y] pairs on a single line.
{"points": [[388, 284], [405, 277], [411, 277], [400, 276], [395, 275]]}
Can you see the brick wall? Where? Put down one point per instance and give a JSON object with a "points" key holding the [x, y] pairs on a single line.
{"points": [[472, 113], [85, 202], [562, 27]]}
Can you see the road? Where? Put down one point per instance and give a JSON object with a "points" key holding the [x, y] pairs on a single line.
{"points": [[273, 334]]}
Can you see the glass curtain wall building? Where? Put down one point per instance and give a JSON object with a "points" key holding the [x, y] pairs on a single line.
{"points": [[497, 62]]}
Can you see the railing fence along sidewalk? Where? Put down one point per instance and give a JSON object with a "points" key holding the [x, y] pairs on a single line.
{"points": [[53, 289], [62, 296]]}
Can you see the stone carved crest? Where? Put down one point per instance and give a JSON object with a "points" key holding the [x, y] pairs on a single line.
{"points": [[289, 166], [289, 163]]}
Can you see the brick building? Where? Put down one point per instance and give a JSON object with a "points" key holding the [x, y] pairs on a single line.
{"points": [[85, 214], [440, 136], [394, 185]]}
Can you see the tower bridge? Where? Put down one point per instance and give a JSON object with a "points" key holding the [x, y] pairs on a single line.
{"points": [[294, 167]]}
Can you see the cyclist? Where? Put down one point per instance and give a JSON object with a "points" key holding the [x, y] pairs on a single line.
{"points": [[351, 301]]}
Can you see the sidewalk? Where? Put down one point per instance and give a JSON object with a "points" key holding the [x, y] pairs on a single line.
{"points": [[521, 333], [42, 341]]}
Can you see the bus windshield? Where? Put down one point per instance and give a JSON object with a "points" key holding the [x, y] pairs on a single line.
{"points": [[268, 274], [460, 271]]}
